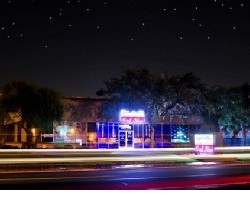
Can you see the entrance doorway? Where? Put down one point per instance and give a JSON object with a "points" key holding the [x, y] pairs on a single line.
{"points": [[126, 139]]}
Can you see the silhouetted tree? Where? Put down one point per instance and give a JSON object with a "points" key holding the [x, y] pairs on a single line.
{"points": [[133, 90], [32, 106], [158, 95], [231, 107], [186, 97]]}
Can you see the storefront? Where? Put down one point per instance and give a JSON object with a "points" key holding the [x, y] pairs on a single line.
{"points": [[131, 132], [110, 135], [122, 136]]}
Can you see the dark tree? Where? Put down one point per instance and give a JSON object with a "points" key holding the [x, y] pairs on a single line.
{"points": [[134, 90], [32, 106], [158, 95], [231, 107], [186, 97]]}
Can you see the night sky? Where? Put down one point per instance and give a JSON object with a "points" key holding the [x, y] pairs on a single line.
{"points": [[75, 45]]}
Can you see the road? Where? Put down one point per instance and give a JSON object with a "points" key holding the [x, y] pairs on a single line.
{"points": [[137, 177], [126, 170]]}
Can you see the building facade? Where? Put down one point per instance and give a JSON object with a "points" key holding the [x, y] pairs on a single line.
{"points": [[82, 127], [81, 124], [118, 135]]}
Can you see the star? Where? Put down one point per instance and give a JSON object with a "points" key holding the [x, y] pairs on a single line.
{"points": [[77, 22]]}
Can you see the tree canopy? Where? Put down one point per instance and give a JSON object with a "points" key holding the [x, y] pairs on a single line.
{"points": [[158, 95], [133, 89], [32, 106], [231, 107], [177, 96], [186, 96]]}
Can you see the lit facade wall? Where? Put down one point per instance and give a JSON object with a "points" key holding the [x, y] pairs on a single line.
{"points": [[81, 125], [70, 132], [115, 135]]}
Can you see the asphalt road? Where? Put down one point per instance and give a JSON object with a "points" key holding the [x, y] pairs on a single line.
{"points": [[137, 177], [124, 170]]}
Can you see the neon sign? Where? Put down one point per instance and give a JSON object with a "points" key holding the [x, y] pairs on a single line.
{"points": [[204, 143], [132, 116]]}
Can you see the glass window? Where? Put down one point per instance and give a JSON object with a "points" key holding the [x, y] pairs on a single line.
{"points": [[113, 130], [166, 133], [138, 135], [179, 133], [91, 127], [136, 131], [193, 128], [158, 135], [146, 131], [102, 130], [158, 130]]}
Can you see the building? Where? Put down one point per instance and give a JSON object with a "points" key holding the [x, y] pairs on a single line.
{"points": [[81, 124], [82, 127]]}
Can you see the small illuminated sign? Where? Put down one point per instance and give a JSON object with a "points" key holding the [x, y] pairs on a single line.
{"points": [[47, 135], [204, 143], [125, 127], [132, 116]]}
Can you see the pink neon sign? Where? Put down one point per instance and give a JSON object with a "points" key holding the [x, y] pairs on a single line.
{"points": [[204, 143], [132, 116]]}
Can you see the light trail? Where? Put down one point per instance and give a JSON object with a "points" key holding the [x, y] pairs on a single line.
{"points": [[103, 156], [102, 159]]}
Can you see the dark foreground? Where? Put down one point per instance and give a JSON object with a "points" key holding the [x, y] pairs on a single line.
{"points": [[204, 177]]}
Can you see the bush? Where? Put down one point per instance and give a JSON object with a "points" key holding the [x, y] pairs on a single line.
{"points": [[8, 147]]}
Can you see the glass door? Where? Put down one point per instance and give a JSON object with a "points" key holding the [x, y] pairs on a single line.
{"points": [[126, 139]]}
